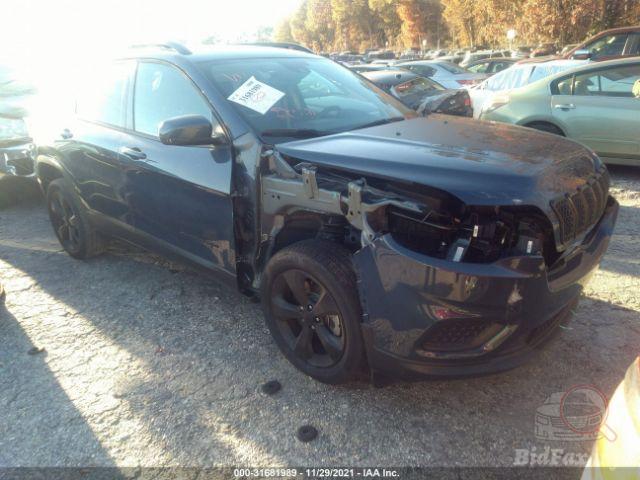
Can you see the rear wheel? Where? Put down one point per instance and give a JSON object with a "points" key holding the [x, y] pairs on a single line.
{"points": [[312, 309], [70, 224], [546, 127]]}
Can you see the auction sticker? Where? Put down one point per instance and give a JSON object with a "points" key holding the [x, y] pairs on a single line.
{"points": [[256, 95]]}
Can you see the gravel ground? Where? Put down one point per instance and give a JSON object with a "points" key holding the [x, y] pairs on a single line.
{"points": [[127, 360]]}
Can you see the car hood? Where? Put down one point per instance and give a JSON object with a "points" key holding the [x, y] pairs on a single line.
{"points": [[482, 163]]}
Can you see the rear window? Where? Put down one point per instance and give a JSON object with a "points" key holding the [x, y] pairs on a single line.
{"points": [[416, 86], [452, 68]]}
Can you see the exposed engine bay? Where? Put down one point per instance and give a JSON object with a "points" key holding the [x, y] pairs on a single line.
{"points": [[356, 210]]}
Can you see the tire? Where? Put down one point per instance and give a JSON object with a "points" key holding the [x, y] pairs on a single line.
{"points": [[323, 338], [546, 127], [70, 224]]}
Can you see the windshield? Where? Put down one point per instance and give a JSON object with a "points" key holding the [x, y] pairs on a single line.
{"points": [[452, 68], [302, 97]]}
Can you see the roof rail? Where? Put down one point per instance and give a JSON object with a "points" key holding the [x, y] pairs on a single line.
{"points": [[175, 46]]}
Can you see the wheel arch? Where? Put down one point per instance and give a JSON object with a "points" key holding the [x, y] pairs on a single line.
{"points": [[48, 169], [527, 122]]}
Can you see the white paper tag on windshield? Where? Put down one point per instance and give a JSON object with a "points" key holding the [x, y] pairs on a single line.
{"points": [[256, 95]]}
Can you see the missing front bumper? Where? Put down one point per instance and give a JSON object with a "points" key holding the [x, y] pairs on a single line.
{"points": [[516, 304]]}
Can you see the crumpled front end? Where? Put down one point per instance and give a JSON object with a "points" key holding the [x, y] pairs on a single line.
{"points": [[17, 159], [441, 317]]}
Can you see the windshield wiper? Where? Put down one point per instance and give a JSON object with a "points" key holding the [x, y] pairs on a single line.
{"points": [[293, 133], [380, 122]]}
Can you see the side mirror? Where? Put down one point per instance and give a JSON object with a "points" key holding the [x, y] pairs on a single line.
{"points": [[189, 130], [581, 55]]}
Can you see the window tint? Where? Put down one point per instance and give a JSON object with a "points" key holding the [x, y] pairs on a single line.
{"points": [[105, 96], [452, 68], [614, 82], [609, 45], [634, 44], [416, 86], [479, 68], [423, 70], [163, 92], [499, 66]]}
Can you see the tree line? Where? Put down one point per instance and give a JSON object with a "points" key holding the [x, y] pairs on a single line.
{"points": [[339, 25]]}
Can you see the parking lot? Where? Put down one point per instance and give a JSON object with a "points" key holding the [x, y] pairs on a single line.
{"points": [[128, 360]]}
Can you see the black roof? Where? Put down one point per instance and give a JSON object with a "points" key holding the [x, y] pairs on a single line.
{"points": [[207, 53], [287, 45], [390, 77]]}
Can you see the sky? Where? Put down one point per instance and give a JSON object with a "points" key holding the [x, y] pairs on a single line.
{"points": [[53, 29], [48, 43]]}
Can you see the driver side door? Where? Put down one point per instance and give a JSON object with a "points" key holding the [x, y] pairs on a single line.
{"points": [[179, 196]]}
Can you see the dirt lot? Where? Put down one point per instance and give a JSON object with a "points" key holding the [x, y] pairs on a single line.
{"points": [[150, 364]]}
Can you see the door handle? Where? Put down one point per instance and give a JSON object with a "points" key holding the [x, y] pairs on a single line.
{"points": [[66, 134], [134, 153], [565, 106]]}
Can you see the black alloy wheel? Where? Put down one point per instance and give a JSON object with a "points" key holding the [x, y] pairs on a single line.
{"points": [[65, 221], [308, 318], [312, 308]]}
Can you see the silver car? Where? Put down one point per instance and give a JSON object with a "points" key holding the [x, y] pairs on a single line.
{"points": [[597, 104], [447, 74]]}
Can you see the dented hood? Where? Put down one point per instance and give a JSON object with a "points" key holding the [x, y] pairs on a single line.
{"points": [[482, 163]]}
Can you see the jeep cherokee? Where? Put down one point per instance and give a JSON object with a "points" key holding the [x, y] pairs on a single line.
{"points": [[378, 241]]}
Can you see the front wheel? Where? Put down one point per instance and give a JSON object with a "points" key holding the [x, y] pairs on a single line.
{"points": [[312, 308]]}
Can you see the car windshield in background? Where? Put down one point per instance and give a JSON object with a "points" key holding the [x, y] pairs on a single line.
{"points": [[301, 97], [452, 68], [12, 129]]}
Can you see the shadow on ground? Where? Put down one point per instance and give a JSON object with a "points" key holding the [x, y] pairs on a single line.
{"points": [[183, 359]]}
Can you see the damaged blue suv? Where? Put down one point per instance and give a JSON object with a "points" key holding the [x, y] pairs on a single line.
{"points": [[379, 242]]}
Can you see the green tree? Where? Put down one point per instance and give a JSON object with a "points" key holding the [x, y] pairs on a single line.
{"points": [[282, 32]]}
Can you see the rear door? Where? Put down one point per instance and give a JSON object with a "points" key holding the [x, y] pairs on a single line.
{"points": [[179, 196], [601, 111], [91, 142]]}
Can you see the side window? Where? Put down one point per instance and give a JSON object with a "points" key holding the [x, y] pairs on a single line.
{"points": [[609, 45], [479, 68], [633, 45], [563, 86], [614, 82], [163, 92], [104, 98]]}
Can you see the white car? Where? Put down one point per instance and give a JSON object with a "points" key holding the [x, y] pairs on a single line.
{"points": [[447, 74], [517, 76]]}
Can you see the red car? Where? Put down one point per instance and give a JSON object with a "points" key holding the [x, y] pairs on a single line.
{"points": [[610, 44]]}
